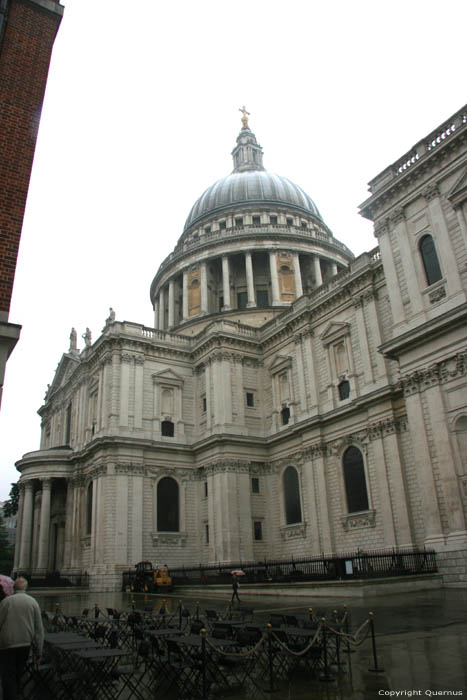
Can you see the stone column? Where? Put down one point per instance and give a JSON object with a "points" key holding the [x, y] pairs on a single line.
{"points": [[370, 298], [171, 319], [126, 361], [321, 500], [447, 256], [274, 278], [462, 223], [395, 470], [161, 310], [207, 386], [317, 269], [226, 283], [44, 531], [301, 372], [19, 521], [298, 276], [139, 391], [250, 285], [390, 272], [308, 354], [26, 529], [363, 341], [422, 463], [382, 484], [333, 269], [68, 524], [185, 295], [204, 288], [407, 260], [156, 314], [449, 486]]}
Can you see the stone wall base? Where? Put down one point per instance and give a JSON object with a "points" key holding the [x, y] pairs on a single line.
{"points": [[453, 567]]}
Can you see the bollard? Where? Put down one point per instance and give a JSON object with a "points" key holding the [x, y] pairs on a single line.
{"points": [[373, 643], [348, 650], [338, 641], [96, 611], [180, 607], [197, 610], [310, 610], [271, 688], [203, 634], [326, 676]]}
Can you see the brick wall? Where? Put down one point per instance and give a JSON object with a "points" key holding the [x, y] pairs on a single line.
{"points": [[25, 53]]}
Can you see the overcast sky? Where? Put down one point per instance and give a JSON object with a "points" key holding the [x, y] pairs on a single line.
{"points": [[141, 114]]}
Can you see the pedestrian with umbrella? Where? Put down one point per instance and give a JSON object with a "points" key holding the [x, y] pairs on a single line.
{"points": [[235, 584]]}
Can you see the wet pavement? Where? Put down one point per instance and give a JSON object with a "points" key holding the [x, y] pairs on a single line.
{"points": [[420, 640]]}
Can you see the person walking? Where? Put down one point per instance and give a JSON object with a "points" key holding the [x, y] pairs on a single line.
{"points": [[235, 589], [20, 629]]}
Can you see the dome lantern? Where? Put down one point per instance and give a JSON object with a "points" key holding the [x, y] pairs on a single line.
{"points": [[247, 154]]}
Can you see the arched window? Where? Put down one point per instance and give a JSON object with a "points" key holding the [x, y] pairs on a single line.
{"points": [[167, 505], [430, 260], [293, 509], [355, 481], [167, 428], [89, 508]]}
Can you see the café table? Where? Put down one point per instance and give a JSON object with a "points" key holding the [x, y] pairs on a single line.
{"points": [[97, 666]]}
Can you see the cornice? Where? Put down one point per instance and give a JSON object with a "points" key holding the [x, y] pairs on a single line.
{"points": [[434, 374]]}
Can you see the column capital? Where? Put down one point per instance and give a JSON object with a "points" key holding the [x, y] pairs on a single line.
{"points": [[431, 191]]}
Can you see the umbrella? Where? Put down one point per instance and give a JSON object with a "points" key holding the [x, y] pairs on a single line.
{"points": [[7, 584], [238, 572]]}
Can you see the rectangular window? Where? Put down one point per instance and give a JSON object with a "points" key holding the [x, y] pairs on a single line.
{"points": [[273, 220], [262, 301], [254, 484], [289, 221], [239, 221], [250, 399], [256, 220], [207, 229], [204, 404], [206, 533], [222, 225], [258, 530], [205, 489], [242, 300]]}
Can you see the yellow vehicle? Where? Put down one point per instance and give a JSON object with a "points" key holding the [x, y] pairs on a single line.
{"points": [[148, 579]]}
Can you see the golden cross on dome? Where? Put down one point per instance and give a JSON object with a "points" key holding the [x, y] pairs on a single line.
{"points": [[243, 110]]}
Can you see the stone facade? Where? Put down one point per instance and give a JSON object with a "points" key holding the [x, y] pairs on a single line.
{"points": [[291, 399]]}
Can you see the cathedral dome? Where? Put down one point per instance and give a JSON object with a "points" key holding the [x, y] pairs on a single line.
{"points": [[254, 187]]}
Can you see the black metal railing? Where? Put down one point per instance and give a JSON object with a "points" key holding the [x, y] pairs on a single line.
{"points": [[56, 580], [347, 566]]}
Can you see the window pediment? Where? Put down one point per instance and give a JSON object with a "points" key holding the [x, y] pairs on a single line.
{"points": [[168, 377], [334, 331], [280, 363]]}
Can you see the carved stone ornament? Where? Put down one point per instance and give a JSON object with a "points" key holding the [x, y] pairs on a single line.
{"points": [[359, 521], [86, 541], [173, 539], [289, 532], [381, 227], [397, 215], [437, 294], [96, 472], [431, 191], [135, 469]]}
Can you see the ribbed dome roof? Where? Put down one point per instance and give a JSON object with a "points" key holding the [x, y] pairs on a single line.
{"points": [[250, 187]]}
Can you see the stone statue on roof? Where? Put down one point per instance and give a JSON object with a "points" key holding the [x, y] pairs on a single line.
{"points": [[87, 338], [73, 342]]}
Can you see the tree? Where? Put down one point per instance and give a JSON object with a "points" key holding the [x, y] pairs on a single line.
{"points": [[10, 507]]}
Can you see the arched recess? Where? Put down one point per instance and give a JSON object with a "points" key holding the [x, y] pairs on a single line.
{"points": [[168, 505], [460, 431], [292, 500], [355, 480]]}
